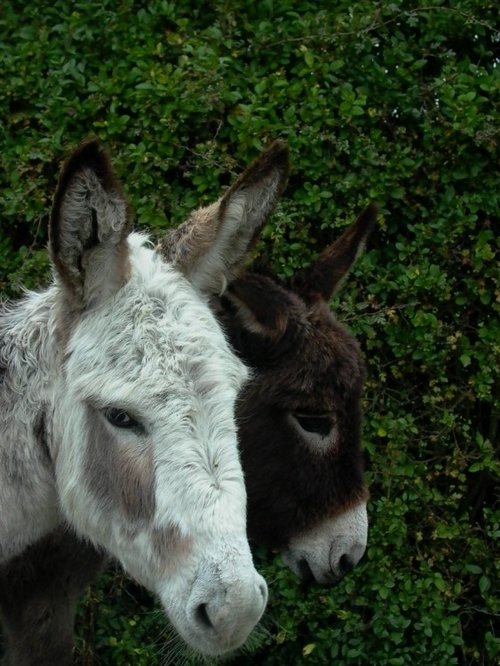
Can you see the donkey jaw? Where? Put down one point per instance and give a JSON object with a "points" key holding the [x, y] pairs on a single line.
{"points": [[217, 611], [331, 549]]}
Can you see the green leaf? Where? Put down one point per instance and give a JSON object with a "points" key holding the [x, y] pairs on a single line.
{"points": [[308, 649], [484, 584]]}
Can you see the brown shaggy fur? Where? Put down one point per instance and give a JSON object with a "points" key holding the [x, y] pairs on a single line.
{"points": [[313, 366]]}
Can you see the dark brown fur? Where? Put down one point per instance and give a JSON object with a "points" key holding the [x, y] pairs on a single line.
{"points": [[39, 591], [304, 362], [313, 366]]}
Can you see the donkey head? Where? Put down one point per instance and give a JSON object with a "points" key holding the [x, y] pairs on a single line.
{"points": [[143, 436], [299, 417]]}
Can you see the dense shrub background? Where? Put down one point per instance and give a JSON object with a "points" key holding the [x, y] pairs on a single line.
{"points": [[389, 101]]}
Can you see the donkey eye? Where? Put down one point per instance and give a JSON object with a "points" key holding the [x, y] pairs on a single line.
{"points": [[315, 423], [120, 418]]}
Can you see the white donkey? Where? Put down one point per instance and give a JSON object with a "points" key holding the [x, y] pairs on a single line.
{"points": [[117, 396]]}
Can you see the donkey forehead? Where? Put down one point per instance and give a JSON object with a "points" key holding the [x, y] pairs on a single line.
{"points": [[337, 352], [324, 364], [155, 330]]}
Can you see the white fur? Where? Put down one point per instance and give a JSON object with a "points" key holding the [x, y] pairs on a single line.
{"points": [[180, 389]]}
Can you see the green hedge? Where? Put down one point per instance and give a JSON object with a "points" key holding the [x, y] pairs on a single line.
{"points": [[395, 102]]}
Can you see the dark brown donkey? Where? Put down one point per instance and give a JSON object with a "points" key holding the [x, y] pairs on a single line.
{"points": [[299, 430], [299, 419]]}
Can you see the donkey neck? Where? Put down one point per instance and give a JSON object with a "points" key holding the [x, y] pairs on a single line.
{"points": [[29, 365], [29, 350]]}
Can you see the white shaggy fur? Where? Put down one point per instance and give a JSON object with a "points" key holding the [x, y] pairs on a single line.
{"points": [[150, 346]]}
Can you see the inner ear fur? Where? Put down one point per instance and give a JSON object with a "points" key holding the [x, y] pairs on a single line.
{"points": [[89, 223], [327, 273], [210, 248]]}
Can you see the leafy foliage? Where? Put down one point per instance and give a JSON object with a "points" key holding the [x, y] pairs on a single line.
{"points": [[395, 102]]}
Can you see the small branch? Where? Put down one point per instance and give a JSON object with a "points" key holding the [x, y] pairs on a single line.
{"points": [[376, 25]]}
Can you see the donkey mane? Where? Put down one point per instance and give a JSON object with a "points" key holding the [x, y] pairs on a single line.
{"points": [[32, 321]]}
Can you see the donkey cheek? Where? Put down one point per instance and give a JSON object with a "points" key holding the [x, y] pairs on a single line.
{"points": [[119, 476]]}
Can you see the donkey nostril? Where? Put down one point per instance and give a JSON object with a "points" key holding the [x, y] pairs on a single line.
{"points": [[202, 616], [263, 591], [305, 572], [345, 564]]}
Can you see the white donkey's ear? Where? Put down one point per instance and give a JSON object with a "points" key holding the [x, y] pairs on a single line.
{"points": [[89, 225], [211, 246]]}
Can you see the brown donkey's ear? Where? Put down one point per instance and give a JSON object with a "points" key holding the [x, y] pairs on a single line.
{"points": [[263, 307], [211, 246], [324, 277], [88, 227]]}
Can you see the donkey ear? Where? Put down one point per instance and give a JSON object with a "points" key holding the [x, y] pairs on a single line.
{"points": [[262, 307], [324, 277], [89, 225], [211, 246]]}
